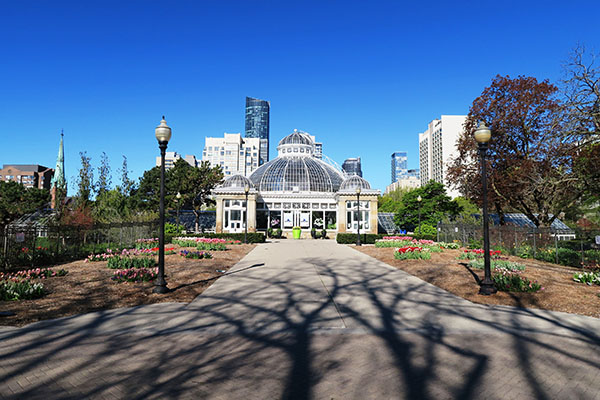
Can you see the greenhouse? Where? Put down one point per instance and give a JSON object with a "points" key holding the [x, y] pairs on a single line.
{"points": [[296, 189]]}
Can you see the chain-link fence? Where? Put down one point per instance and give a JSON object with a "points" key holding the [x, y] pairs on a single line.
{"points": [[34, 245], [574, 247]]}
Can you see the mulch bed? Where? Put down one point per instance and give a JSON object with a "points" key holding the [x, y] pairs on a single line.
{"points": [[560, 292], [88, 287]]}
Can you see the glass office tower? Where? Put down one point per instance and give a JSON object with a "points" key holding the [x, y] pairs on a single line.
{"points": [[399, 165], [352, 166], [257, 124]]}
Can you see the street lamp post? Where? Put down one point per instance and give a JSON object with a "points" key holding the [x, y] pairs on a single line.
{"points": [[419, 198], [358, 215], [177, 200], [483, 136], [246, 190], [163, 135]]}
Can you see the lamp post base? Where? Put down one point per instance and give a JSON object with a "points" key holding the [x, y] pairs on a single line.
{"points": [[487, 288], [161, 289]]}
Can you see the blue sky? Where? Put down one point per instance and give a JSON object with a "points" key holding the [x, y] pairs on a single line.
{"points": [[363, 77]]}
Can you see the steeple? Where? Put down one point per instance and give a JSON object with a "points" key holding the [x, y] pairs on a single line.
{"points": [[58, 180]]}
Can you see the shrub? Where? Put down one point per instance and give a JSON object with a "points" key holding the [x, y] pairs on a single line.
{"points": [[475, 243], [135, 275], [511, 281], [20, 289], [497, 264], [524, 251], [324, 234], [365, 238], [412, 253], [119, 262], [589, 278], [174, 229], [565, 256], [196, 255], [426, 231], [253, 237]]}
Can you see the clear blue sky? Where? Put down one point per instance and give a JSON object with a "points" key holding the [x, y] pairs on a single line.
{"points": [[363, 77]]}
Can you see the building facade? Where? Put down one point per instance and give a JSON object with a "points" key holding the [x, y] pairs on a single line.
{"points": [[234, 154], [436, 146], [409, 182], [399, 165], [352, 166], [171, 158], [257, 124], [28, 175], [296, 189]]}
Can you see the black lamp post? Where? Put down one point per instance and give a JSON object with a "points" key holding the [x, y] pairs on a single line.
{"points": [[177, 200], [246, 190], [163, 135], [483, 136], [419, 198], [358, 213]]}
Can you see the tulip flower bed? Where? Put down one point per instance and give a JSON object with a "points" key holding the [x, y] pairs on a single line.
{"points": [[195, 255], [168, 250], [20, 289], [497, 264], [195, 241], [478, 253], [589, 278], [135, 275], [412, 253], [404, 241], [127, 253], [512, 281], [119, 262], [146, 243], [34, 273]]}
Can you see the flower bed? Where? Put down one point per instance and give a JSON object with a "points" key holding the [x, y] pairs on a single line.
{"points": [[589, 278], [196, 255], [34, 273], [199, 242], [512, 281], [478, 253], [135, 275], [168, 250], [146, 243], [119, 262], [497, 264], [412, 253], [20, 289]]}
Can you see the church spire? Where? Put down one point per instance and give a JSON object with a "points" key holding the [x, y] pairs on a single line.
{"points": [[58, 180]]}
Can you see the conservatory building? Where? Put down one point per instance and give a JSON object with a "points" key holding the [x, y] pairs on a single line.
{"points": [[296, 189]]}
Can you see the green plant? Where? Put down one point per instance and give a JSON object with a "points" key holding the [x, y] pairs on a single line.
{"points": [[511, 281], [135, 275], [451, 246], [317, 234], [589, 278], [196, 255], [253, 237], [524, 251], [119, 262], [20, 289], [332, 226], [475, 243], [146, 243], [497, 264], [365, 238], [324, 234], [565, 256], [211, 246], [412, 253], [173, 229]]}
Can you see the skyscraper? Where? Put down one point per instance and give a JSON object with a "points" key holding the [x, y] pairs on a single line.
{"points": [[257, 124], [399, 165], [352, 166], [436, 146]]}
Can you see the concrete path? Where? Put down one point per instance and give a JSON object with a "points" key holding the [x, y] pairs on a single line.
{"points": [[307, 320]]}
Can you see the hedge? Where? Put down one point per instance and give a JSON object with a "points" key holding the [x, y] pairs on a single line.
{"points": [[365, 238], [253, 237]]}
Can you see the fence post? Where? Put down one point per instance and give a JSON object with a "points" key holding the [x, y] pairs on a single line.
{"points": [[534, 246], [438, 232], [582, 253], [556, 247]]}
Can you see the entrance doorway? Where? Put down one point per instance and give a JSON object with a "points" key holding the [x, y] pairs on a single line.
{"points": [[294, 218]]}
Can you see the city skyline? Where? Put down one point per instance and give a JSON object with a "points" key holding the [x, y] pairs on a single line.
{"points": [[360, 90]]}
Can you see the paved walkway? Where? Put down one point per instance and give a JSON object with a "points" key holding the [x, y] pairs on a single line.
{"points": [[307, 320]]}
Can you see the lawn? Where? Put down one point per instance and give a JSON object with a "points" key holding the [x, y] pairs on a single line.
{"points": [[560, 292], [88, 286]]}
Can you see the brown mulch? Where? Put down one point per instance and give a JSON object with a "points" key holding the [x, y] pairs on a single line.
{"points": [[87, 287], [560, 292]]}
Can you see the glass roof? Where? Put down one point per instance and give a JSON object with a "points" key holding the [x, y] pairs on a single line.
{"points": [[354, 182], [237, 181]]}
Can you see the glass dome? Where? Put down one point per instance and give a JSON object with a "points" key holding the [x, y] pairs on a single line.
{"points": [[297, 137], [296, 174], [237, 181], [354, 182]]}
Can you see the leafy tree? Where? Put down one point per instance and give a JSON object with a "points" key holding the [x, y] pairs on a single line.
{"points": [[84, 182], [17, 200], [104, 176], [146, 195], [392, 201], [435, 204], [111, 206], [127, 184], [530, 164]]}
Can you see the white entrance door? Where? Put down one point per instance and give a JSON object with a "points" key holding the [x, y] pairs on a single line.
{"points": [[234, 220]]}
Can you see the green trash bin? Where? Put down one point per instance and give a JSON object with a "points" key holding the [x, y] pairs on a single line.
{"points": [[296, 232]]}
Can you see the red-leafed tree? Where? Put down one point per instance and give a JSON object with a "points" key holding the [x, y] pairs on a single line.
{"points": [[530, 161]]}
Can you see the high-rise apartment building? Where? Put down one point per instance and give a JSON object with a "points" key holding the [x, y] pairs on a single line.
{"points": [[436, 146], [257, 124], [408, 182], [399, 165], [28, 175], [352, 166], [171, 158], [413, 173], [235, 155]]}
